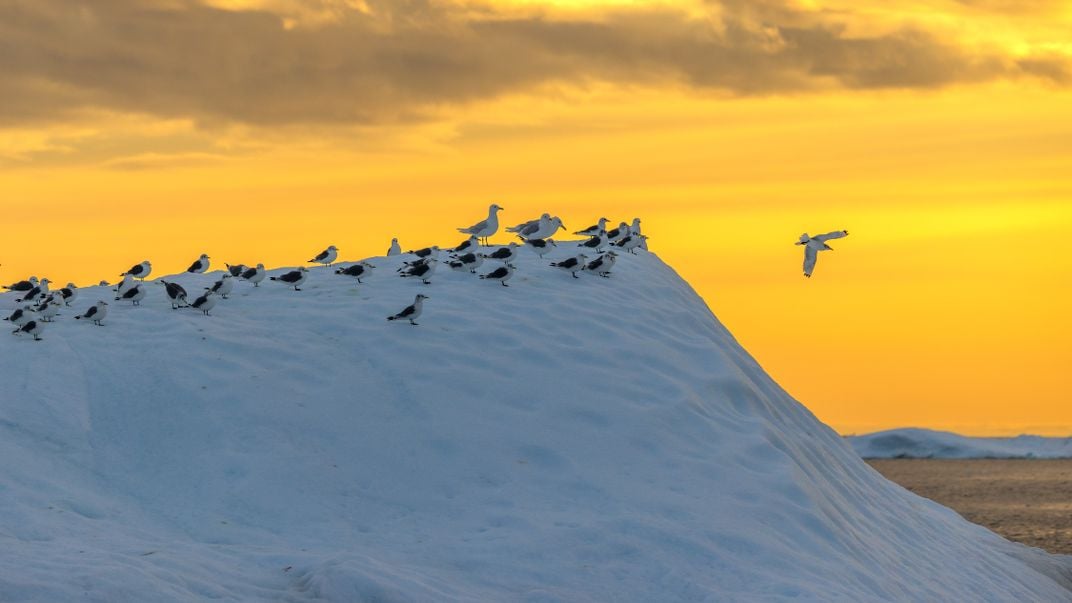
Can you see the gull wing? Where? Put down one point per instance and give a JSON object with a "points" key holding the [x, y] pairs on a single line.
{"points": [[837, 234], [810, 255]]}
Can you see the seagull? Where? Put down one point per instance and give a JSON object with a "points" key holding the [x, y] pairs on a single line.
{"points": [[501, 274], [95, 313], [541, 246], [394, 249], [574, 264], [634, 229], [542, 230], [469, 261], [424, 252], [504, 254], [359, 270], [411, 312], [631, 242], [175, 293], [69, 293], [49, 308], [326, 257], [200, 265], [33, 327], [134, 294], [205, 302], [602, 264], [223, 286], [617, 233], [21, 315], [254, 275], [141, 270], [813, 245], [487, 227], [40, 291], [22, 285], [294, 278], [127, 282], [597, 242], [595, 228], [467, 246], [422, 270], [531, 224], [236, 270]]}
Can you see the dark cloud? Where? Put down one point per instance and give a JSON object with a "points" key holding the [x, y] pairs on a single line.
{"points": [[401, 59]]}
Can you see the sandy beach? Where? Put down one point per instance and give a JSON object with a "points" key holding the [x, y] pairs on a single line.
{"points": [[1026, 500]]}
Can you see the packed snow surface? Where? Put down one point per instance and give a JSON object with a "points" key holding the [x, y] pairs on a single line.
{"points": [[560, 439], [928, 444]]}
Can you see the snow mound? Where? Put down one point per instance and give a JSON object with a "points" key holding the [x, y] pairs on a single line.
{"points": [[929, 444], [559, 439]]}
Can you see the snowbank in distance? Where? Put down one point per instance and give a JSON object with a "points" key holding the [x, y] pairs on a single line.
{"points": [[560, 439], [929, 444]]}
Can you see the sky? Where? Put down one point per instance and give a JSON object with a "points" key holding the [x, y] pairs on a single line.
{"points": [[938, 132]]}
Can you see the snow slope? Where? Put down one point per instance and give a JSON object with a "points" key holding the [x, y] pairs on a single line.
{"points": [[556, 440], [927, 444]]}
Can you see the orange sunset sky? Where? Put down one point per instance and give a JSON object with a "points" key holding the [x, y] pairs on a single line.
{"points": [[938, 132]]}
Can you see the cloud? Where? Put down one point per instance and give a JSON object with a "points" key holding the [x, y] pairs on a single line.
{"points": [[400, 61]]}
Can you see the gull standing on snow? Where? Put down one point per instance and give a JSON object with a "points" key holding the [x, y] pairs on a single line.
{"points": [[631, 242], [141, 270], [617, 233], [595, 228], [602, 264], [21, 315], [127, 282], [813, 245], [411, 312], [22, 285], [424, 252], [255, 275], [205, 302], [501, 274], [467, 246], [95, 313], [542, 229], [40, 291], [134, 294], [486, 227], [326, 257], [223, 286], [422, 269], [573, 265], [49, 308], [540, 246], [294, 278], [68, 293], [531, 224], [33, 327], [236, 270], [469, 261], [504, 254], [394, 249], [175, 293], [597, 242], [200, 265], [359, 270]]}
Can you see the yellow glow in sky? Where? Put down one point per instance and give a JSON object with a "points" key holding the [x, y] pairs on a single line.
{"points": [[945, 307]]}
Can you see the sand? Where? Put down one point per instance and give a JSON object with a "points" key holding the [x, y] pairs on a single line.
{"points": [[1026, 500]]}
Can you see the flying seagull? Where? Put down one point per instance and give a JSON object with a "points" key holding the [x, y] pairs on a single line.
{"points": [[813, 245]]}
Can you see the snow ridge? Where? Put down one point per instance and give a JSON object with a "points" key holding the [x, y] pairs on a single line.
{"points": [[560, 439]]}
